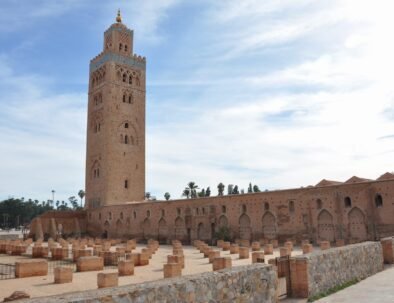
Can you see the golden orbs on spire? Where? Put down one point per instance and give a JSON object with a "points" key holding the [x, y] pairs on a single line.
{"points": [[119, 17]]}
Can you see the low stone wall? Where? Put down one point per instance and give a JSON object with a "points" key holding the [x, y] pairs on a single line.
{"points": [[252, 283], [317, 272]]}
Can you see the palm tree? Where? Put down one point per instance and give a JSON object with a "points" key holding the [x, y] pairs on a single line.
{"points": [[192, 187], [167, 196], [220, 189], [81, 194], [186, 193]]}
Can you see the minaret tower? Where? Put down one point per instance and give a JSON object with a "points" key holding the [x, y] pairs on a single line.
{"points": [[115, 152]]}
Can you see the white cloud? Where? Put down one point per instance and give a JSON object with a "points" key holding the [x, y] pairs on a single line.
{"points": [[43, 138], [330, 130]]}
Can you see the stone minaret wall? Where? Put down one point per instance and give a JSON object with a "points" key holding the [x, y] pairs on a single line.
{"points": [[115, 156]]}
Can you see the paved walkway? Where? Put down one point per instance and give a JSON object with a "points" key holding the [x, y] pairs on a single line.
{"points": [[378, 288]]}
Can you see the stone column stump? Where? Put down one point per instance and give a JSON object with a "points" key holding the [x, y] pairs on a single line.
{"points": [[234, 249], [244, 252], [213, 254], [107, 279], [257, 257], [171, 270], [63, 275], [221, 263], [255, 246], [126, 268]]}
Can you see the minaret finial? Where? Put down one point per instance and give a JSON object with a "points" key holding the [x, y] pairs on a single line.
{"points": [[119, 17]]}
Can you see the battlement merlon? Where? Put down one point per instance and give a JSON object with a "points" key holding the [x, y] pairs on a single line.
{"points": [[135, 61]]}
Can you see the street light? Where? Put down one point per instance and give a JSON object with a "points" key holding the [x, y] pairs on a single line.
{"points": [[53, 197]]}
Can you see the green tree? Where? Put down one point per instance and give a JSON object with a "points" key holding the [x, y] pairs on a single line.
{"points": [[235, 190], [201, 194], [192, 187], [223, 234], [250, 189], [186, 193], [73, 202], [167, 196], [81, 195], [256, 189], [208, 192], [220, 189]]}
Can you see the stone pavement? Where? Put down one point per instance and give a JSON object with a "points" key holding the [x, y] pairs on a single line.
{"points": [[378, 288]]}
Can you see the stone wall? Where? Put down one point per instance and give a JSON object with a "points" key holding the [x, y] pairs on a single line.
{"points": [[251, 283], [58, 223], [314, 213], [317, 272]]}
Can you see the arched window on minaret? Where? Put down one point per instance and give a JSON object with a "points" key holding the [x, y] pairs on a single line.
{"points": [[124, 98], [130, 97], [130, 79], [125, 47], [124, 77], [126, 139], [120, 46], [137, 81]]}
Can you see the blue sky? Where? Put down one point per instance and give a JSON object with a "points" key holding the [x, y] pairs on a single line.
{"points": [[277, 93]]}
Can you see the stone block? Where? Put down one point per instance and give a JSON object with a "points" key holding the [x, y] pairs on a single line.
{"points": [[226, 246], [59, 253], [258, 257], [284, 252], [142, 259], [176, 259], [31, 268], [221, 263], [244, 252], [90, 264], [324, 245], [149, 252], [275, 243], [121, 250], [234, 249], [63, 275], [39, 252], [305, 241], [126, 268], [307, 248], [340, 242], [289, 245], [256, 246], [206, 252], [220, 243], [268, 249], [172, 270], [107, 279], [213, 254]]}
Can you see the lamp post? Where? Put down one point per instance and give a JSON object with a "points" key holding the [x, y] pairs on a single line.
{"points": [[53, 197]]}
